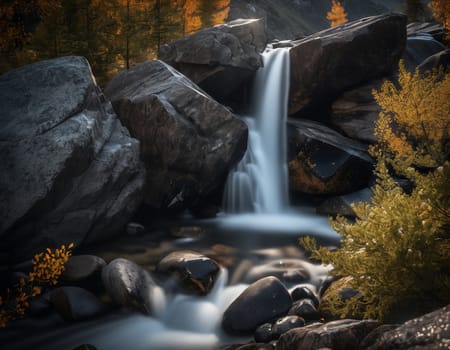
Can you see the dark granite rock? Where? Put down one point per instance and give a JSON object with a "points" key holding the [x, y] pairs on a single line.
{"points": [[342, 205], [326, 63], [263, 333], [304, 308], [69, 172], [303, 292], [284, 324], [288, 271], [337, 335], [419, 48], [76, 304], [189, 142], [321, 161], [221, 58]]}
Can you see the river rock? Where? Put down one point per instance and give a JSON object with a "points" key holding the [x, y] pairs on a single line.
{"points": [[76, 304], [69, 172], [288, 271], [326, 63], [219, 59], [419, 48], [85, 347], [304, 292], [337, 335], [194, 273], [304, 308], [342, 205], [264, 333], [82, 267], [261, 302], [355, 112], [321, 161], [130, 285], [189, 142], [284, 324], [431, 331]]}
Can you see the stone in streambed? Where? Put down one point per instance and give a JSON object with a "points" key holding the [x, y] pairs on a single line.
{"points": [[304, 308], [130, 285], [284, 324], [303, 292], [288, 271], [192, 272], [261, 302], [264, 333], [76, 304], [342, 205], [82, 267], [189, 142]]}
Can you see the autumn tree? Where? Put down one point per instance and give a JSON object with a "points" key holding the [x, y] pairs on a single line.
{"points": [[396, 251], [337, 14], [441, 12]]}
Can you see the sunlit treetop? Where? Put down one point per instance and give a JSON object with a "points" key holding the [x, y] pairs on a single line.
{"points": [[337, 14]]}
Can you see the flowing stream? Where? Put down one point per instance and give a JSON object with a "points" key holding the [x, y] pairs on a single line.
{"points": [[256, 201]]}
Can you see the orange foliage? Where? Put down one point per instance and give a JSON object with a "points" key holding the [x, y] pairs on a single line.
{"points": [[47, 267], [197, 18], [337, 14], [441, 12]]}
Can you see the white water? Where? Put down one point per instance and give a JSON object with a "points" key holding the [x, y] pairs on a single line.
{"points": [[259, 182], [256, 193]]}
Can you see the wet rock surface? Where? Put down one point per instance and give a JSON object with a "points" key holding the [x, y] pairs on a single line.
{"points": [[70, 172], [431, 331], [321, 161], [342, 205], [261, 302], [221, 58], [192, 273], [288, 271], [337, 335], [419, 48], [189, 142], [130, 285], [76, 304]]}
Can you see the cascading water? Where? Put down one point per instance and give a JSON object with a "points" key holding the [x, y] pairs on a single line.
{"points": [[259, 182]]}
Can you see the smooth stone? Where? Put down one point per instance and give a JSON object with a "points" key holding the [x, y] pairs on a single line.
{"points": [[288, 271], [193, 273], [134, 229], [85, 347], [419, 48], [304, 292], [130, 285], [263, 333], [282, 325], [304, 308], [76, 304], [82, 267], [342, 205], [261, 302]]}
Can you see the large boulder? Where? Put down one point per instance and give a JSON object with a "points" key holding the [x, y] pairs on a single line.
{"points": [[189, 142], [69, 171], [261, 302], [322, 161], [333, 60], [221, 58]]}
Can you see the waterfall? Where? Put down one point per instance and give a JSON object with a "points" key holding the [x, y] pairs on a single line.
{"points": [[258, 184]]}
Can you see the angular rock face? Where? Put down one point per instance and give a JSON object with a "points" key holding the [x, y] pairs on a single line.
{"points": [[321, 161], [261, 302], [355, 112], [193, 272], [337, 335], [221, 58], [188, 141], [333, 60], [69, 172]]}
